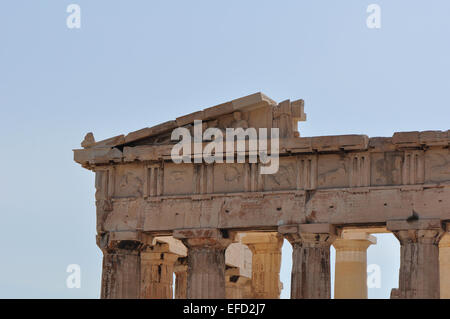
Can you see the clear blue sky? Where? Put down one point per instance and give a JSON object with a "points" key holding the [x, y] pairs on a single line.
{"points": [[134, 64]]}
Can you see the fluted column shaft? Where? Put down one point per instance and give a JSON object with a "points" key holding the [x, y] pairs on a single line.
{"points": [[180, 271], [121, 270], [157, 265], [419, 264], [206, 262], [206, 272], [310, 277], [444, 266]]}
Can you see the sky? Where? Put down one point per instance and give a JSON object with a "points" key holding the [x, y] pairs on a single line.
{"points": [[134, 64]]}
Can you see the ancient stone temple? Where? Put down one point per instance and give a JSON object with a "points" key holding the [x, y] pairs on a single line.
{"points": [[219, 226]]}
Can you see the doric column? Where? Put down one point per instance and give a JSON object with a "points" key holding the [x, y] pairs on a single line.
{"points": [[310, 278], [266, 263], [157, 267], [157, 264], [419, 258], [121, 264], [206, 262], [444, 266], [180, 271], [351, 265]]}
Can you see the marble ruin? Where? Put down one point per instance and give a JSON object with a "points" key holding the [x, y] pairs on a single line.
{"points": [[220, 227]]}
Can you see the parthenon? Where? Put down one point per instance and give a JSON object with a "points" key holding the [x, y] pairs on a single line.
{"points": [[219, 227]]}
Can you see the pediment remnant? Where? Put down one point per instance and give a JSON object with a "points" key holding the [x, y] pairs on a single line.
{"points": [[255, 110]]}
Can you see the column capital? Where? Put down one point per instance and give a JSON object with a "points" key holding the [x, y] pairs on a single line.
{"points": [[262, 241], [419, 257], [206, 261], [311, 235], [422, 236], [424, 231], [204, 237], [354, 240], [123, 241], [266, 263]]}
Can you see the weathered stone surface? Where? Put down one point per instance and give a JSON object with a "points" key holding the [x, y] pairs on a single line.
{"points": [[437, 164], [400, 182], [88, 141], [239, 257], [340, 142], [108, 150], [100, 155], [444, 266], [434, 138], [406, 139], [414, 139], [310, 277], [150, 131], [157, 266], [174, 246], [266, 263], [237, 286], [110, 142], [206, 262], [145, 153], [121, 274], [414, 223], [254, 100], [238, 260], [180, 270], [365, 206], [419, 261], [188, 119]]}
